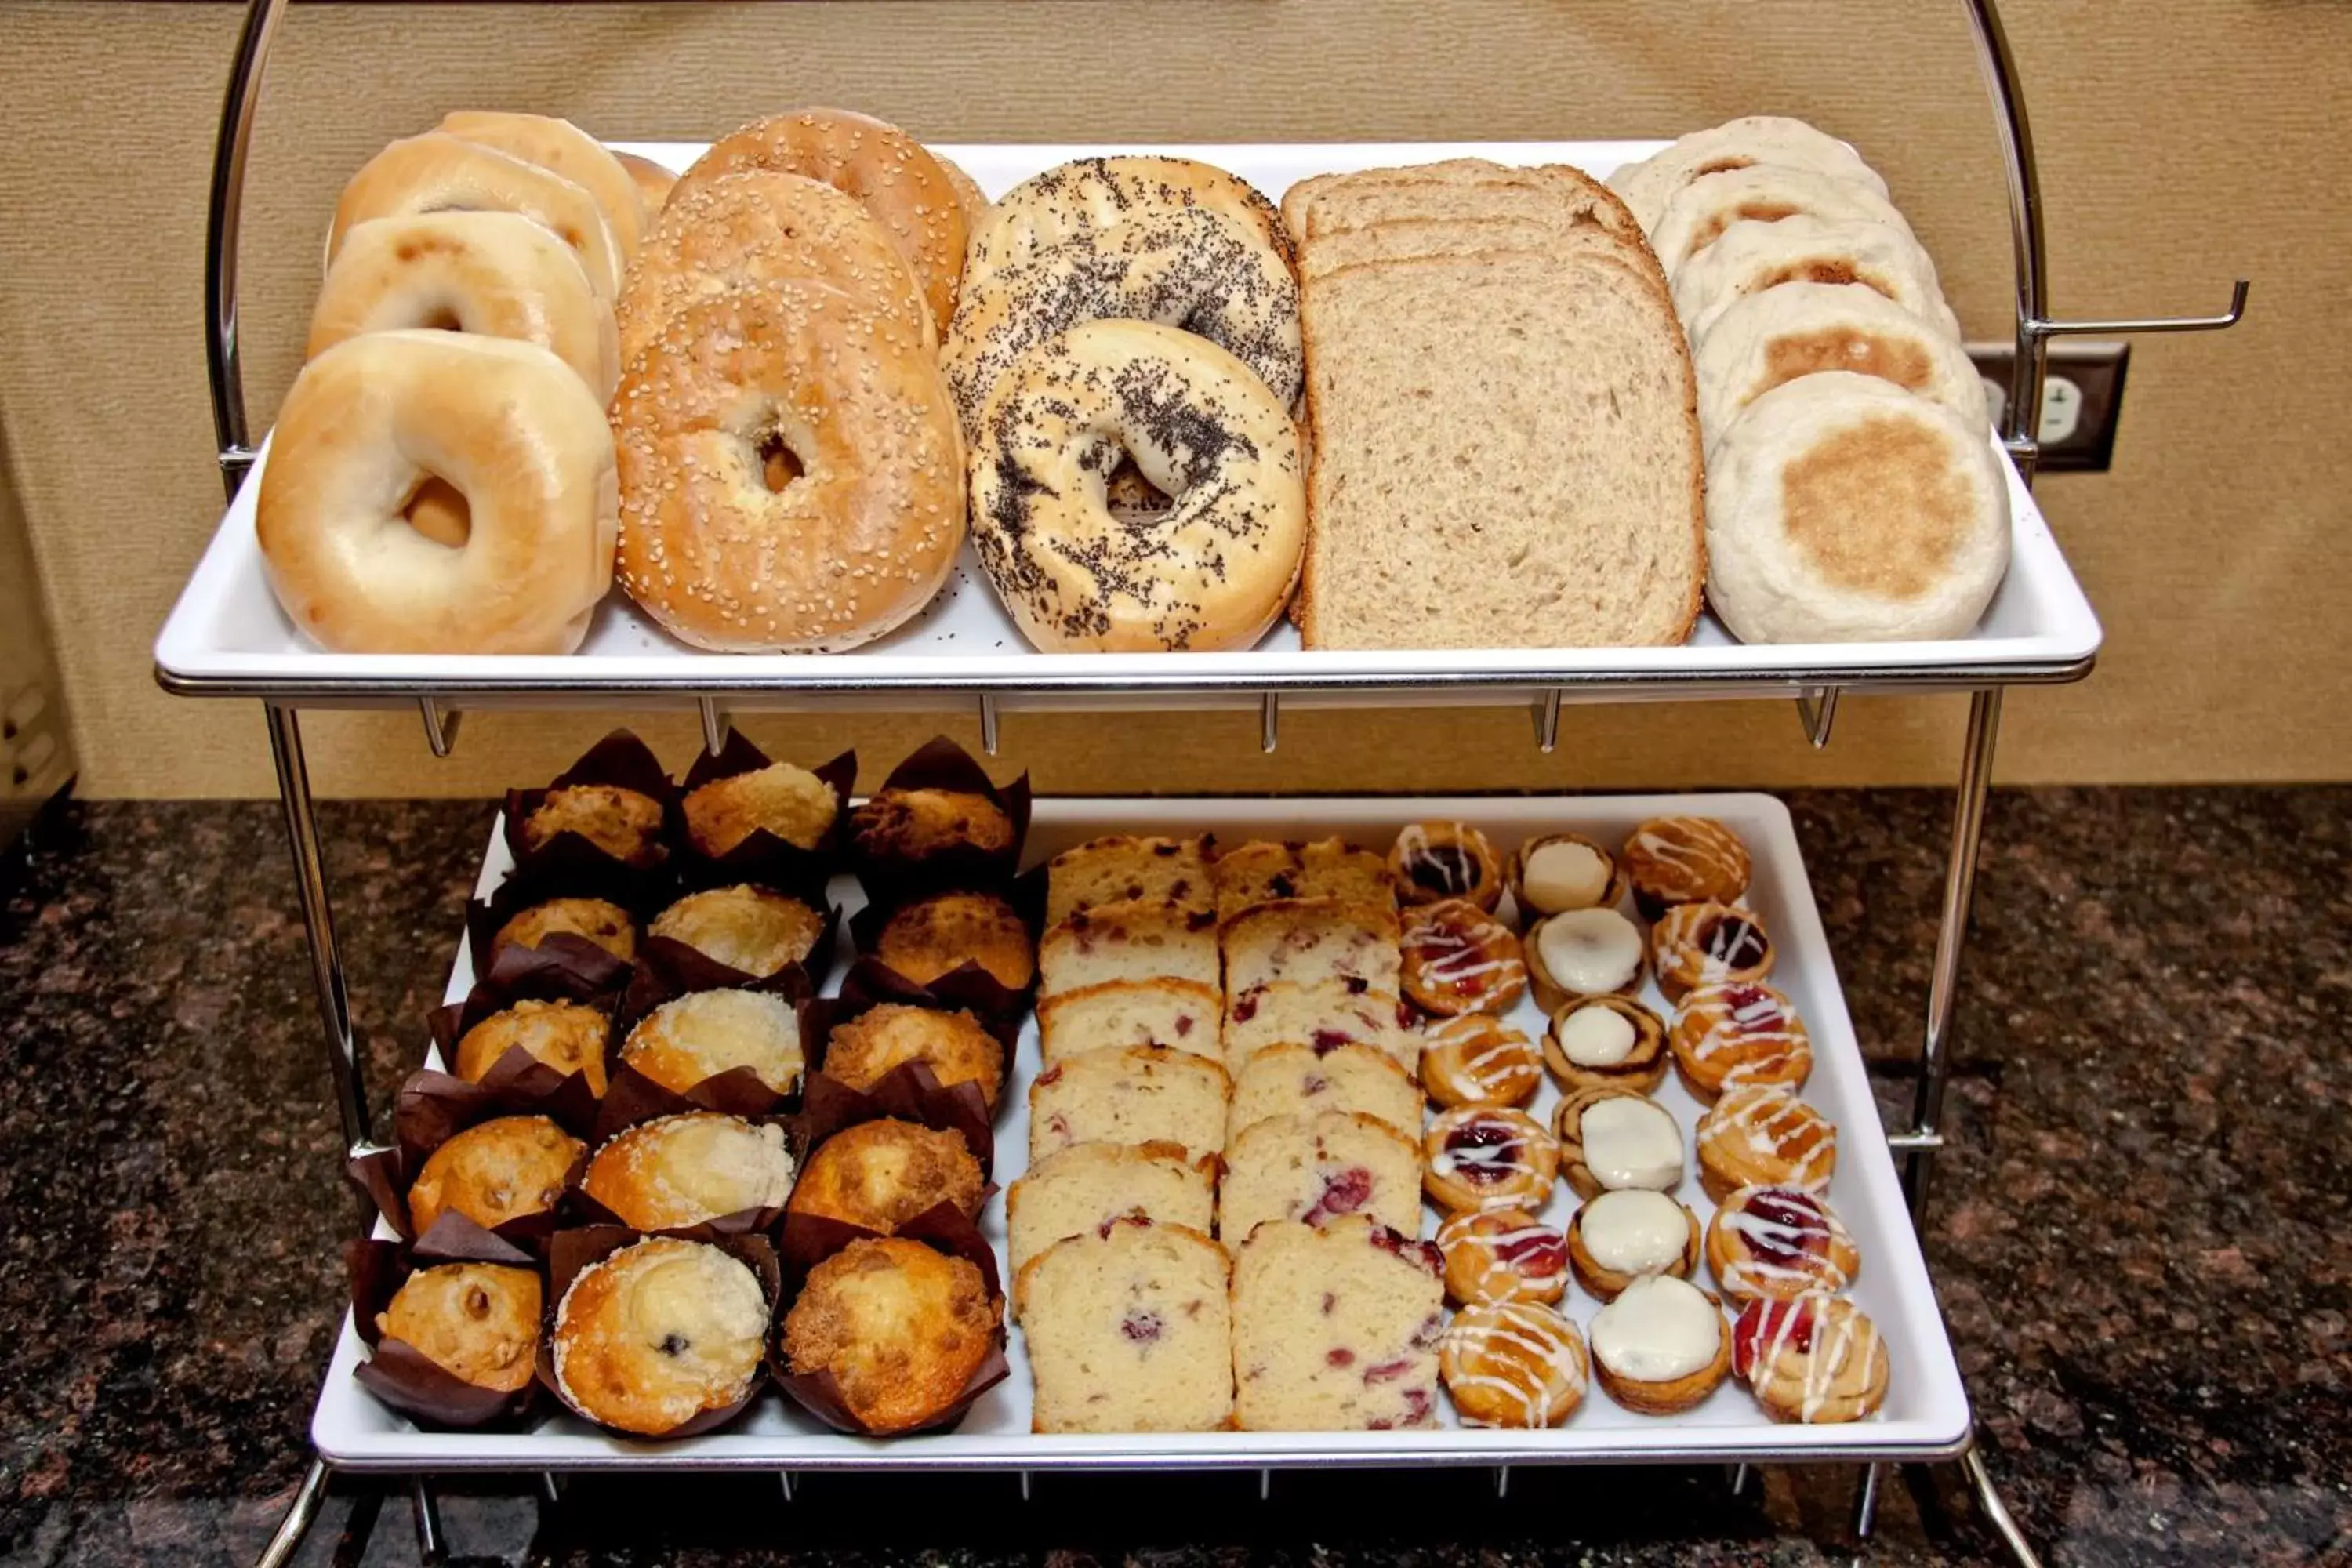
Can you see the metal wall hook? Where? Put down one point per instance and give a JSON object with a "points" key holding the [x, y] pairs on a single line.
{"points": [[2228, 318], [1816, 711], [988, 723], [716, 723], [440, 725], [1269, 722], [1548, 720]]}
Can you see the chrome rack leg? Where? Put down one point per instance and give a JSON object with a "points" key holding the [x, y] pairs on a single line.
{"points": [[319, 922], [1269, 720], [300, 1514], [1865, 1501], [988, 723], [1739, 1474], [715, 724], [432, 1547], [1996, 1512], [1816, 711], [1951, 936]]}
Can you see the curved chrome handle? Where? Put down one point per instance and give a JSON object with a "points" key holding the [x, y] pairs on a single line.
{"points": [[227, 206]]}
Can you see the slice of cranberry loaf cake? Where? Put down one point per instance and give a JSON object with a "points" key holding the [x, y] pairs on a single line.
{"points": [[1130, 1094], [1307, 1080], [1265, 869], [1336, 1327], [1326, 1014], [1181, 1014], [1121, 867], [1137, 939], [1309, 940], [1088, 1184], [1129, 1328], [1316, 1168]]}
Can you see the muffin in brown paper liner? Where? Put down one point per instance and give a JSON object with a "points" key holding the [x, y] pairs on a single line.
{"points": [[945, 1228], [631, 1097], [522, 1081], [571, 1251], [666, 967], [431, 1108], [942, 764], [405, 1378], [568, 864], [762, 857], [563, 964], [911, 1092], [968, 987], [587, 1211]]}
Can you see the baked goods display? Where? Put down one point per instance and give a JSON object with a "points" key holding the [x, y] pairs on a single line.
{"points": [[954, 1046], [938, 934], [1179, 1015], [788, 801], [1121, 867], [1612, 1138], [1128, 1094], [1852, 494]]}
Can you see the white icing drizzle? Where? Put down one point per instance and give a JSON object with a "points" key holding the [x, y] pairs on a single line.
{"points": [[1539, 1352], [1843, 1341], [1659, 1329], [1413, 845], [1485, 1056], [1454, 959], [1564, 874], [1596, 1037], [1631, 1143], [1697, 848], [1635, 1231], [1763, 1032], [1806, 1237], [1590, 951], [1766, 1123]]}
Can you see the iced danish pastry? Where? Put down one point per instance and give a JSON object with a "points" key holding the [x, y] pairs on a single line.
{"points": [[1727, 1037], [1513, 1364], [1583, 952], [1606, 1042], [1660, 1347], [1765, 1138], [1778, 1243], [1478, 1060], [1435, 860], [1614, 1138], [1815, 1359], [1501, 1255], [1671, 860], [1695, 946], [1556, 872], [1629, 1234], [1488, 1156], [1459, 959]]}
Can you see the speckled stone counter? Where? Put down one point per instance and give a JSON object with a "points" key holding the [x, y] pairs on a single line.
{"points": [[2142, 1236]]}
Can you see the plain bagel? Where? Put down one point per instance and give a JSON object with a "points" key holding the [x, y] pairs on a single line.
{"points": [[439, 172], [563, 149], [508, 426], [1213, 571], [498, 274]]}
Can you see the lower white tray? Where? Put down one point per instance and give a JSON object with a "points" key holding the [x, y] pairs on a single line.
{"points": [[227, 636], [1926, 1410]]}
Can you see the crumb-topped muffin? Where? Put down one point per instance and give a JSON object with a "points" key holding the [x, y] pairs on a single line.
{"points": [[910, 826], [900, 1327], [879, 1174], [678, 1171], [880, 1040], [599, 921], [566, 1036], [623, 822], [790, 802], [930, 937], [705, 1033], [656, 1333], [493, 1172], [743, 927], [477, 1322]]}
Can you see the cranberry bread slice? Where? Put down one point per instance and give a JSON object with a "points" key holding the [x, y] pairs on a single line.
{"points": [[1310, 940], [1335, 1328], [1316, 1168], [1087, 1186], [1306, 1080], [1179, 1015], [1129, 1328], [1139, 938], [1265, 868], [1324, 1014], [1121, 867], [1128, 1094]]}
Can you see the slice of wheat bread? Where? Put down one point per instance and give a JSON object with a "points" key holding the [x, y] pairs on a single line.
{"points": [[1404, 238], [1454, 188], [1506, 455]]}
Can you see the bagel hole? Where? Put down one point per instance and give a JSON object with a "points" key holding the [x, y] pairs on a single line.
{"points": [[439, 511], [1130, 497], [444, 319], [779, 464]]}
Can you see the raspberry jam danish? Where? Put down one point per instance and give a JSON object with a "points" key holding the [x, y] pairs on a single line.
{"points": [[1513, 1364], [1740, 1035], [1478, 1060], [1459, 959], [1501, 1255], [1435, 860], [1488, 1156], [1695, 946], [1816, 1358], [1606, 1042], [1777, 1244], [1764, 1137]]}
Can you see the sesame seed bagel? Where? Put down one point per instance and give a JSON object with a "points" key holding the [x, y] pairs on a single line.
{"points": [[887, 170], [1211, 572], [1195, 268], [439, 172], [753, 228], [1088, 194], [726, 545]]}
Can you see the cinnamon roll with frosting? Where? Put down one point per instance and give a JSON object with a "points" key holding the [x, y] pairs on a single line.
{"points": [[1764, 1137]]}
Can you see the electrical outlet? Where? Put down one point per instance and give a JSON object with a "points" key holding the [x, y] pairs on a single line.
{"points": [[2082, 400]]}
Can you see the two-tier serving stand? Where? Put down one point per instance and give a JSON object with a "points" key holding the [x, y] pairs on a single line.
{"points": [[226, 638]]}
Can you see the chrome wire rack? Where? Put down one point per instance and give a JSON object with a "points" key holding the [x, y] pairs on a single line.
{"points": [[1815, 689]]}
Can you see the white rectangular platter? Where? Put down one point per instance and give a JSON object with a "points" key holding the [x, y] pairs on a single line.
{"points": [[227, 636], [1926, 1414]]}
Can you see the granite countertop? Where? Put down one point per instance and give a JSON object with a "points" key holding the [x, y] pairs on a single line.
{"points": [[2140, 1234]]}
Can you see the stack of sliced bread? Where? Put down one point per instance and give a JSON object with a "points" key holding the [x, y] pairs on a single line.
{"points": [[1504, 447], [1852, 493]]}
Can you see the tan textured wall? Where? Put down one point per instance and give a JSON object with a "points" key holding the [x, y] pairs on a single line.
{"points": [[2182, 143]]}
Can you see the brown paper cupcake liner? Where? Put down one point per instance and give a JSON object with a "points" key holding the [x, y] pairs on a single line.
{"points": [[943, 1226], [570, 865], [518, 1081], [870, 982], [968, 987], [431, 1108], [562, 964], [631, 1097], [940, 763], [808, 1239], [910, 1092], [571, 1251], [403, 1377], [668, 968], [762, 857]]}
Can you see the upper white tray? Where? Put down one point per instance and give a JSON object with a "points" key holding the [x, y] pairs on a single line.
{"points": [[227, 636], [1926, 1410]]}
